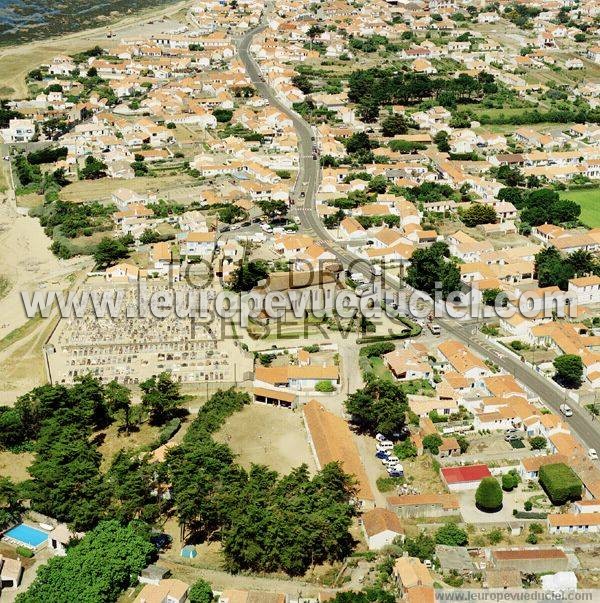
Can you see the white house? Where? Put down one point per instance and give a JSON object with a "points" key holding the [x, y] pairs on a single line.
{"points": [[586, 288], [198, 244], [19, 130], [567, 523], [380, 527]]}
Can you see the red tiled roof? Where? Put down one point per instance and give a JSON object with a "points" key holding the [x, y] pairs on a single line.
{"points": [[471, 473]]}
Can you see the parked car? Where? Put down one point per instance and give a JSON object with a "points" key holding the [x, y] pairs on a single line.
{"points": [[380, 437], [593, 454], [391, 460], [363, 289], [396, 471], [509, 437], [385, 446], [382, 454], [566, 410]]}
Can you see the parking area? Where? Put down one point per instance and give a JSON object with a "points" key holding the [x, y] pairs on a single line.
{"points": [[512, 500]]}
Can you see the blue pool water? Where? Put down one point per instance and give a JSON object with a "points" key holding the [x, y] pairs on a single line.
{"points": [[27, 535]]}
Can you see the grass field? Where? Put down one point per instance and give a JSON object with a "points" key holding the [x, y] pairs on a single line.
{"points": [[589, 200]]}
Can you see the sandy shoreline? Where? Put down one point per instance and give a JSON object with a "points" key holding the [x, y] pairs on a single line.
{"points": [[16, 61]]}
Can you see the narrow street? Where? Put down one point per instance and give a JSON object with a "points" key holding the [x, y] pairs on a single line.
{"points": [[581, 422]]}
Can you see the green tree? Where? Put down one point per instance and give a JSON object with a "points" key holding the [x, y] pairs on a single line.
{"points": [[405, 450], [491, 295], [537, 442], [441, 141], [200, 592], [394, 125], [66, 480], [479, 213], [359, 141], [132, 481], [161, 398], [432, 442], [109, 252], [488, 496], [451, 535], [118, 400], [422, 546], [97, 570], [463, 443], [248, 275], [430, 265], [380, 407], [11, 504], [93, 169], [569, 370], [509, 481]]}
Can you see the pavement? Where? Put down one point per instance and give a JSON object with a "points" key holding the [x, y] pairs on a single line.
{"points": [[581, 423]]}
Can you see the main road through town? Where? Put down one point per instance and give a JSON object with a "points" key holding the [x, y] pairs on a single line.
{"points": [[304, 194]]}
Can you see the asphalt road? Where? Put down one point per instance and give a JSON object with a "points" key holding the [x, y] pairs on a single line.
{"points": [[581, 423]]}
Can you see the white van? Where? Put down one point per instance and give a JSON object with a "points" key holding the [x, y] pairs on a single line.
{"points": [[385, 446]]}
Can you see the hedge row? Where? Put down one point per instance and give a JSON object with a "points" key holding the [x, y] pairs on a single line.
{"points": [[560, 483]]}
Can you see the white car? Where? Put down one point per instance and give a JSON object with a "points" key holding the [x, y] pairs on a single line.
{"points": [[385, 446], [566, 410], [593, 454], [391, 461], [380, 437], [363, 289]]}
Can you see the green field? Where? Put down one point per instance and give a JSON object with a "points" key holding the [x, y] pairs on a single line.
{"points": [[589, 200]]}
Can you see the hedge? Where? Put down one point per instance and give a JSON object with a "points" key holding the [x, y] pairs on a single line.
{"points": [[378, 349], [560, 483], [24, 552]]}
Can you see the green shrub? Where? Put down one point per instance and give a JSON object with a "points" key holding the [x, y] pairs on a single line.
{"points": [[311, 349], [325, 386], [488, 496], [377, 349], [509, 481], [432, 443], [451, 535], [24, 552], [169, 430], [560, 483], [387, 484]]}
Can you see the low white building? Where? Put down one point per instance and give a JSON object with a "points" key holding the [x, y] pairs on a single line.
{"points": [[198, 244], [19, 130], [380, 527], [586, 288]]}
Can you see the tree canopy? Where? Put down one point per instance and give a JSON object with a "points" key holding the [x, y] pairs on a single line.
{"points": [[380, 407], [569, 370], [488, 496], [431, 265], [96, 570]]}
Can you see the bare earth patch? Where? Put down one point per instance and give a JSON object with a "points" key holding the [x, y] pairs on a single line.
{"points": [[267, 435]]}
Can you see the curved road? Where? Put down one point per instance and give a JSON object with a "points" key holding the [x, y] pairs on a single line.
{"points": [[581, 423]]}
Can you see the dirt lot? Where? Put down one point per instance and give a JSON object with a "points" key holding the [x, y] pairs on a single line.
{"points": [[271, 436], [101, 190], [15, 466]]}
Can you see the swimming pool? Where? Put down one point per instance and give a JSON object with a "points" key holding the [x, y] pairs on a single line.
{"points": [[27, 536]]}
